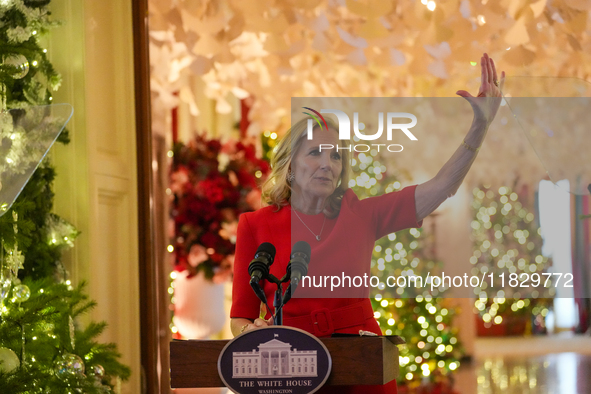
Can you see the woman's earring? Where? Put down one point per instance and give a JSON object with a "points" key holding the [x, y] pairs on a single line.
{"points": [[290, 176]]}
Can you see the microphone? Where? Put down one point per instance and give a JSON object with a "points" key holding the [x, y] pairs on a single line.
{"points": [[259, 267], [297, 267]]}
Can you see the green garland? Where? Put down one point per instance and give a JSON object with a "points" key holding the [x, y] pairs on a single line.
{"points": [[42, 350], [44, 322], [21, 24]]}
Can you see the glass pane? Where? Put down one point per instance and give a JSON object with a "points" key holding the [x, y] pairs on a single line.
{"points": [[554, 114], [25, 138]]}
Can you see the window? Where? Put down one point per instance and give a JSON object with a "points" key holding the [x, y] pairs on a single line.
{"points": [[554, 205]]}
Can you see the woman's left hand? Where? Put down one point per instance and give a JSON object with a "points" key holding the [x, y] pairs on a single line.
{"points": [[486, 104]]}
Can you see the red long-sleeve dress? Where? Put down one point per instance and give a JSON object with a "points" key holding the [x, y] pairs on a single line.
{"points": [[345, 248]]}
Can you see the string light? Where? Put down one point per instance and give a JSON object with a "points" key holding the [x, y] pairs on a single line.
{"points": [[506, 248], [419, 313]]}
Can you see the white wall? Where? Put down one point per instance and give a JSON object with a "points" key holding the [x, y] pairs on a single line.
{"points": [[96, 183]]}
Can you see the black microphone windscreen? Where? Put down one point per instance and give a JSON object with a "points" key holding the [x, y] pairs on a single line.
{"points": [[268, 248], [302, 247]]}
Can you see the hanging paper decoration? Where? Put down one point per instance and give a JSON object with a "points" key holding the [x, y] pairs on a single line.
{"points": [[271, 52]]}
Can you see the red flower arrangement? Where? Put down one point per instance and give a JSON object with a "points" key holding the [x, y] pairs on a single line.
{"points": [[211, 185]]}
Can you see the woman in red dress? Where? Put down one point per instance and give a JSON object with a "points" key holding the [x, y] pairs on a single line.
{"points": [[308, 199]]}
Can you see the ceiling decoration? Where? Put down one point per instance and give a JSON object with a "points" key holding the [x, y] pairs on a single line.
{"points": [[270, 51]]}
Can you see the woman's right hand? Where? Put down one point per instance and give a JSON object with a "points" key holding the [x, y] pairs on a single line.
{"points": [[243, 325], [258, 323], [486, 109]]}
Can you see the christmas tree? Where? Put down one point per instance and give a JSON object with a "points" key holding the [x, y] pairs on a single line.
{"points": [[507, 247], [422, 318], [42, 349]]}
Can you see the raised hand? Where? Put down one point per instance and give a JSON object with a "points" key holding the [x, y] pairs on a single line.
{"points": [[486, 104]]}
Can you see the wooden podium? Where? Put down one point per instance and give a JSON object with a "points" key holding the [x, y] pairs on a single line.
{"points": [[355, 361]]}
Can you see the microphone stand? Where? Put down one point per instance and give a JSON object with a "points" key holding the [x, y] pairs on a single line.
{"points": [[278, 305], [278, 299], [300, 256]]}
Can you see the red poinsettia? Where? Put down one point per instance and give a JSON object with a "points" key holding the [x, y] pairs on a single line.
{"points": [[211, 184]]}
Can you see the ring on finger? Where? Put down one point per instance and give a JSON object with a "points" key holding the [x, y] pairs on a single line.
{"points": [[496, 82]]}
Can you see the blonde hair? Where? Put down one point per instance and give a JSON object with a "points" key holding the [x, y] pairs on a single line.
{"points": [[277, 189]]}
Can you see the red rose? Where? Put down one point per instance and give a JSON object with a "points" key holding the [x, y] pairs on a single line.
{"points": [[210, 240], [207, 200]]}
